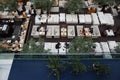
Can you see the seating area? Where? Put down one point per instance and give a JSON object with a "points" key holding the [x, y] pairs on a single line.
{"points": [[60, 25]]}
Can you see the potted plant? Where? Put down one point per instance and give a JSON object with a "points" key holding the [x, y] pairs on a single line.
{"points": [[9, 4], [34, 47], [74, 6], [81, 45], [76, 65], [100, 69], [56, 66]]}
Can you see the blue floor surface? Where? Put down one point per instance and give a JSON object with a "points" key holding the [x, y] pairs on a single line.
{"points": [[37, 70]]}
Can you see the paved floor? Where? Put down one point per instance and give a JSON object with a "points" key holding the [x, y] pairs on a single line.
{"points": [[5, 66]]}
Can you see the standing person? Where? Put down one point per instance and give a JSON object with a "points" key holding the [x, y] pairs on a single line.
{"points": [[32, 11], [58, 46]]}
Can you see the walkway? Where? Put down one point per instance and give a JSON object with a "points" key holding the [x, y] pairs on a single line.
{"points": [[5, 66]]}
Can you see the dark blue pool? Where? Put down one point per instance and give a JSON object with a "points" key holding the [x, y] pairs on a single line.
{"points": [[37, 70]]}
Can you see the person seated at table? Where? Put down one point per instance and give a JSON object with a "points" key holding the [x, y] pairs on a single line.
{"points": [[91, 30], [82, 32], [42, 29], [58, 45], [24, 15]]}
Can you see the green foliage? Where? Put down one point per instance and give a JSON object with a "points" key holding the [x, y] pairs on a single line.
{"points": [[81, 45], [74, 6], [100, 69], [32, 47], [103, 2], [2, 49], [76, 65], [43, 4], [10, 4], [117, 48], [56, 66]]}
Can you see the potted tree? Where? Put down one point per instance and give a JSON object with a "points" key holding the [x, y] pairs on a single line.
{"points": [[9, 4], [81, 45], [74, 6], [76, 65], [46, 5], [34, 47], [56, 66], [100, 69]]}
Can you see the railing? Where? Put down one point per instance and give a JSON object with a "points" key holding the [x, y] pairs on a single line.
{"points": [[63, 56]]}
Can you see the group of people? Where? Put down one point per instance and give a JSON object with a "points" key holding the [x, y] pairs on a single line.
{"points": [[83, 31], [58, 45], [21, 9]]}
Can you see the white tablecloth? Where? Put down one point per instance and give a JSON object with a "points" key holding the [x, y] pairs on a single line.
{"points": [[53, 19], [62, 17], [98, 48], [88, 19], [105, 47], [112, 45], [53, 30], [96, 31], [102, 17], [81, 18], [40, 19], [109, 19], [71, 18], [95, 19]]}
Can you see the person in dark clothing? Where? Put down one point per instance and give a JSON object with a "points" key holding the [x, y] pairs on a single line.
{"points": [[58, 45], [91, 30], [32, 11], [66, 45]]}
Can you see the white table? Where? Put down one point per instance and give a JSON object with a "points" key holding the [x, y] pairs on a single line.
{"points": [[34, 32], [101, 17], [98, 49], [95, 19], [40, 19], [50, 46], [109, 19], [71, 18], [112, 45], [49, 32], [105, 47], [88, 19], [62, 17], [54, 9], [56, 31], [53, 30], [96, 31], [53, 19], [81, 18]]}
